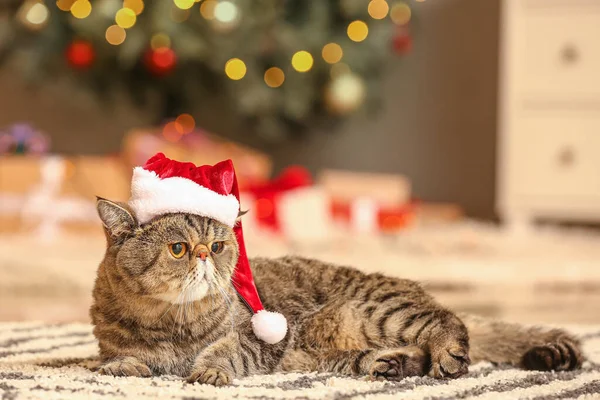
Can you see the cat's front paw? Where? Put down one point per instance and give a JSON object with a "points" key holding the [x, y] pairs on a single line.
{"points": [[449, 360], [126, 366], [396, 364], [210, 376]]}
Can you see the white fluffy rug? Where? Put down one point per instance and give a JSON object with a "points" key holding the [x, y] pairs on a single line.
{"points": [[40, 361]]}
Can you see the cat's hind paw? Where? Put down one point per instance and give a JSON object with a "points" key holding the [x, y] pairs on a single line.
{"points": [[126, 366], [210, 376], [564, 354]]}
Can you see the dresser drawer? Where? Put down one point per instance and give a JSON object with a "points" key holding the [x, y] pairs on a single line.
{"points": [[557, 157], [559, 53]]}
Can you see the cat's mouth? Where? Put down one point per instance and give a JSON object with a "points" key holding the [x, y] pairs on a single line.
{"points": [[193, 288]]}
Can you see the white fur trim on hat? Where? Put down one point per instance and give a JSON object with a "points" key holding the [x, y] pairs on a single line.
{"points": [[270, 327], [152, 196]]}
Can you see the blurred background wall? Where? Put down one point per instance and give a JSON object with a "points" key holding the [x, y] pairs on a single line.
{"points": [[437, 124]]}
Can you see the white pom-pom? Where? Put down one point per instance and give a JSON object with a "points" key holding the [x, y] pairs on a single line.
{"points": [[269, 327]]}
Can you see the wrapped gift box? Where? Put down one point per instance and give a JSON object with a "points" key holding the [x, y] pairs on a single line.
{"points": [[387, 190], [52, 193]]}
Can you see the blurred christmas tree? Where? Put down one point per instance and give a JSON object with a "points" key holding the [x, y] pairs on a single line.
{"points": [[283, 64]]}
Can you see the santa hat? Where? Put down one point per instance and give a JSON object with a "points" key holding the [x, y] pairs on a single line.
{"points": [[164, 186]]}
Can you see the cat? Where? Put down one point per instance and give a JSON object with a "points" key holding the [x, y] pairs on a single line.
{"points": [[155, 311]]}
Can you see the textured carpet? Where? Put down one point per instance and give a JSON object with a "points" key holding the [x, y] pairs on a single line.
{"points": [[40, 361]]}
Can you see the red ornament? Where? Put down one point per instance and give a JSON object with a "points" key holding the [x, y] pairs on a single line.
{"points": [[402, 43], [80, 54], [161, 61]]}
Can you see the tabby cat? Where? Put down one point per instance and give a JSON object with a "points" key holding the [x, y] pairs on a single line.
{"points": [[157, 310]]}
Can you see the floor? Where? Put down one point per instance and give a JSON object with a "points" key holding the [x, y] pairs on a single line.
{"points": [[551, 276]]}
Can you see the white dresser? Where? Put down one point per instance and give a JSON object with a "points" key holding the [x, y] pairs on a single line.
{"points": [[549, 117]]}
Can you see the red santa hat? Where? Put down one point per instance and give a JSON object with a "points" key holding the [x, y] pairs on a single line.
{"points": [[165, 186]]}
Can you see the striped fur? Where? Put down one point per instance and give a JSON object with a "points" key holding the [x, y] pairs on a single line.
{"points": [[341, 320]]}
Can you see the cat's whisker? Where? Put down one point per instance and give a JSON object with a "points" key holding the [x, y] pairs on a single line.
{"points": [[173, 302]]}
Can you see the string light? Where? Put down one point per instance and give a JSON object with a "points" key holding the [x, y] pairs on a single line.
{"points": [[207, 9], [358, 31], [378, 9], [115, 35], [137, 6], [81, 9], [125, 18], [332, 53], [160, 40], [185, 124], [274, 77], [302, 61], [339, 69], [184, 4], [235, 69], [64, 5], [400, 13]]}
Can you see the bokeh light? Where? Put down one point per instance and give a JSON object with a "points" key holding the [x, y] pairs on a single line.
{"points": [[274, 77], [302, 61], [235, 69], [34, 14], [207, 9], [170, 132], [81, 9], [115, 35], [184, 4], [400, 13], [378, 9], [358, 31], [125, 18], [185, 124], [136, 5], [332, 53], [225, 11], [64, 5], [160, 40], [164, 58]]}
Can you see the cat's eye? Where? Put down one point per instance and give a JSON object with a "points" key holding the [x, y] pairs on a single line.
{"points": [[216, 247], [178, 249]]}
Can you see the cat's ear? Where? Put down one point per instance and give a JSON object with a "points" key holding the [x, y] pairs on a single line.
{"points": [[240, 215], [118, 221]]}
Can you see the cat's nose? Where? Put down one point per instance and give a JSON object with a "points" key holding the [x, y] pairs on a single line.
{"points": [[201, 252]]}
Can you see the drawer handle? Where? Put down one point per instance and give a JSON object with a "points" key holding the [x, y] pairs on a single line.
{"points": [[566, 157], [569, 54]]}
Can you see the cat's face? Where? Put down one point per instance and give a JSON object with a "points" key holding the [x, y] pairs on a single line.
{"points": [[177, 258]]}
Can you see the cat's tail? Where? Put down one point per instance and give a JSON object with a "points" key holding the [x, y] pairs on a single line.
{"points": [[526, 347]]}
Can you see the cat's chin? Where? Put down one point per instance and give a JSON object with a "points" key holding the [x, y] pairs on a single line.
{"points": [[198, 292]]}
